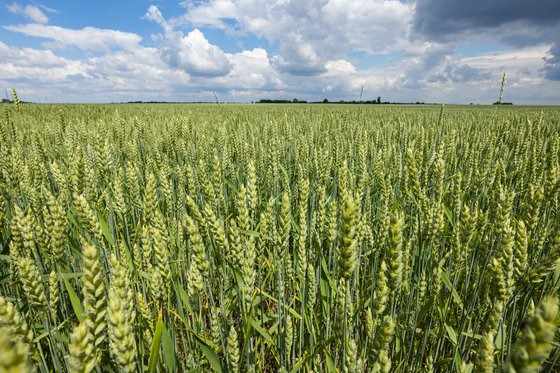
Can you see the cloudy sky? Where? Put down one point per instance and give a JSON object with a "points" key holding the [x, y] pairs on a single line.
{"points": [[452, 51]]}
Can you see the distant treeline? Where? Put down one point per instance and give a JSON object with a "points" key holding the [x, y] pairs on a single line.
{"points": [[169, 102], [6, 101], [325, 101], [269, 101]]}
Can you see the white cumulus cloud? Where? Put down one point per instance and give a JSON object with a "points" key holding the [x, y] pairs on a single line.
{"points": [[306, 49], [312, 32], [87, 38], [29, 11], [192, 53]]}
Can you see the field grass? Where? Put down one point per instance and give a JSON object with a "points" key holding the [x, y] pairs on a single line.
{"points": [[272, 238]]}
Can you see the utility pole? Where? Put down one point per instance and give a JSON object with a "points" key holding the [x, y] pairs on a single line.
{"points": [[216, 97]]}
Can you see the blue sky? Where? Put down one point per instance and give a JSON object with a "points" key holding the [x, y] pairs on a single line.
{"points": [[426, 50]]}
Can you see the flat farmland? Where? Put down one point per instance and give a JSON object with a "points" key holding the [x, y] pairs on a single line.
{"points": [[312, 238]]}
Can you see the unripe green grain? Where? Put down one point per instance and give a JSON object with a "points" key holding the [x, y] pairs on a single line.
{"points": [[82, 351], [88, 217], [285, 223], [395, 253], [12, 321], [16, 100], [233, 349], [311, 287], [32, 283], [520, 253], [120, 318], [485, 354], [95, 299], [288, 334], [347, 254], [350, 364], [54, 294], [14, 353], [381, 291], [383, 337], [216, 227], [535, 345], [252, 196]]}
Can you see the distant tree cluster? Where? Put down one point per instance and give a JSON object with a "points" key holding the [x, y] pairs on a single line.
{"points": [[7, 101], [269, 101], [326, 101]]}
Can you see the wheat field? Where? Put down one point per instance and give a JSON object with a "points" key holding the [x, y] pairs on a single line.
{"points": [[310, 238]]}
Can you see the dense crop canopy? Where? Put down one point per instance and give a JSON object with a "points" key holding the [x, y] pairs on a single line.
{"points": [[279, 238]]}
